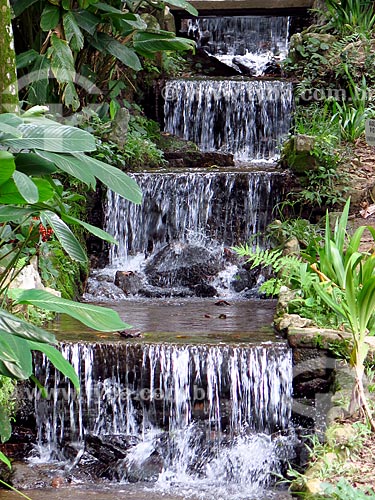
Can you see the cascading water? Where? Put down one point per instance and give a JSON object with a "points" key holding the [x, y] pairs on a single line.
{"points": [[200, 421], [217, 415], [244, 117], [250, 41], [226, 208]]}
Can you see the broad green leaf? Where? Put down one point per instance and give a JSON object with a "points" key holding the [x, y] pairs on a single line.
{"points": [[12, 214], [20, 5], [37, 115], [10, 195], [62, 61], [8, 125], [103, 235], [50, 17], [98, 318], [7, 130], [157, 42], [183, 4], [125, 54], [52, 137], [27, 58], [70, 96], [58, 361], [5, 460], [106, 8], [71, 165], [113, 178], [37, 82], [10, 119], [20, 328], [86, 21], [26, 187], [34, 165], [18, 347], [7, 166], [65, 236], [62, 66], [72, 31]]}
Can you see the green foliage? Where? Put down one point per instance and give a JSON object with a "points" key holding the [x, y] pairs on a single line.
{"points": [[119, 33], [323, 183], [348, 16], [34, 205], [139, 150], [351, 116], [343, 489], [7, 407]]}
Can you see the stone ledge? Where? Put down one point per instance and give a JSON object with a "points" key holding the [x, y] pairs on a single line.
{"points": [[313, 337]]}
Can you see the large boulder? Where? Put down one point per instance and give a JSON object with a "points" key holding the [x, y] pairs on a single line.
{"points": [[130, 282], [183, 264]]}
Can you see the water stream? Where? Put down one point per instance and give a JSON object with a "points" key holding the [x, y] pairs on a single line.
{"points": [[248, 118], [252, 42], [199, 406]]}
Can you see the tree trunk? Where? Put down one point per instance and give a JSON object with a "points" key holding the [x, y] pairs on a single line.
{"points": [[8, 75]]}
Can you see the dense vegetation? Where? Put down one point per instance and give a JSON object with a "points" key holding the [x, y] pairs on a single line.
{"points": [[320, 263], [42, 161]]}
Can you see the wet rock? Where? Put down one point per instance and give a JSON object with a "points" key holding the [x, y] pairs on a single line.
{"points": [[205, 290], [183, 264], [194, 159], [109, 448], [147, 470], [245, 70], [38, 476], [204, 63], [272, 69], [103, 290], [130, 282], [243, 280]]}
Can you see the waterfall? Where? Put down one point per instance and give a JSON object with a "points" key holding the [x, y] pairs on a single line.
{"points": [[252, 41], [209, 399], [226, 207], [243, 117]]}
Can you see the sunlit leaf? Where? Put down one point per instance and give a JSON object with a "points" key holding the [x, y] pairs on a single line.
{"points": [[98, 318], [65, 236], [26, 187], [7, 166], [113, 178]]}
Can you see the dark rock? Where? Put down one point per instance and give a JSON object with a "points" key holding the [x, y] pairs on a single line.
{"points": [[272, 69], [205, 290], [148, 470], [245, 70], [194, 159], [103, 290], [203, 63], [130, 334], [244, 279], [130, 282], [109, 448], [182, 264]]}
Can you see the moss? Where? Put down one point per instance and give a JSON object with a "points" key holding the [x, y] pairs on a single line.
{"points": [[71, 275]]}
